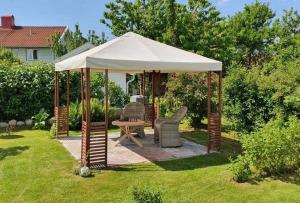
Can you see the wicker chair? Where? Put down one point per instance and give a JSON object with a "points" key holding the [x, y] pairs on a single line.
{"points": [[166, 129], [132, 111]]}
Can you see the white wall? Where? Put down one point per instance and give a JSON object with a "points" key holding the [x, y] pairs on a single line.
{"points": [[44, 54]]}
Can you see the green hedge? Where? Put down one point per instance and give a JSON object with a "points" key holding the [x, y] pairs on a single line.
{"points": [[26, 88]]}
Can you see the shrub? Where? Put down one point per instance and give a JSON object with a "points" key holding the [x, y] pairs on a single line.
{"points": [[52, 132], [272, 150], [254, 96], [245, 105], [40, 119], [117, 97], [97, 113], [146, 195], [240, 169], [75, 116], [188, 90]]}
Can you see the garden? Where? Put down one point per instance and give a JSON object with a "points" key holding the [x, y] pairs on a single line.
{"points": [[260, 149]]}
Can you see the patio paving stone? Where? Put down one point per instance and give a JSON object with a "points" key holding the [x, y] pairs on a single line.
{"points": [[129, 153]]}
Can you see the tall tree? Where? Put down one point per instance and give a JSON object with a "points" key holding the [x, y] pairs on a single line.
{"points": [[250, 29], [94, 39], [195, 26], [61, 45]]}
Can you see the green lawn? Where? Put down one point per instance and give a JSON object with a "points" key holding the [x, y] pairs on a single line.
{"points": [[34, 168]]}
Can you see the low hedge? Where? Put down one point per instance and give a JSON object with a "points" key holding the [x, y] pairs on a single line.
{"points": [[26, 88]]}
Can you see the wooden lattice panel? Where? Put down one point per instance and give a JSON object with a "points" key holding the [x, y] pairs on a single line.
{"points": [[214, 132], [149, 114], [94, 145], [62, 120]]}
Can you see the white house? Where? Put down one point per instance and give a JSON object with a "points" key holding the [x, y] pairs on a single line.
{"points": [[28, 42], [32, 43]]}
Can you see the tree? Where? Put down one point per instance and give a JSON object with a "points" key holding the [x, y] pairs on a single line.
{"points": [[195, 26], [251, 32], [94, 39]]}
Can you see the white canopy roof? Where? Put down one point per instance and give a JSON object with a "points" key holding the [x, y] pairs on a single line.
{"points": [[134, 53]]}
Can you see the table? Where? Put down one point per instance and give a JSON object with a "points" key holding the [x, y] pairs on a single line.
{"points": [[127, 127]]}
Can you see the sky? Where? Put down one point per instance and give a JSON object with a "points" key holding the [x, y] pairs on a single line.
{"points": [[88, 12]]}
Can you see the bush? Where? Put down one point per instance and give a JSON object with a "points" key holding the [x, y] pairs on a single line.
{"points": [[146, 195], [240, 169], [245, 105], [25, 88], [117, 97], [272, 150], [97, 110], [188, 90], [40, 119], [254, 96], [75, 116], [97, 113], [52, 132]]}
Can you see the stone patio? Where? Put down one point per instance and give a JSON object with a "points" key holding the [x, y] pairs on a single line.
{"points": [[130, 153]]}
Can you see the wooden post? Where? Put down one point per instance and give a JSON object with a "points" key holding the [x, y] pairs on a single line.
{"points": [[106, 114], [87, 113], [82, 94], [68, 100], [153, 97], [56, 102], [220, 107], [144, 86], [158, 104], [208, 110]]}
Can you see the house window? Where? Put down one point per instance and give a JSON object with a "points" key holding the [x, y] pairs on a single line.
{"points": [[32, 54]]}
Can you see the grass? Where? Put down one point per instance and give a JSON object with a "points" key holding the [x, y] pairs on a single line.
{"points": [[34, 168]]}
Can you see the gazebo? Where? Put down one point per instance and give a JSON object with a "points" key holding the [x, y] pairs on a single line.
{"points": [[129, 53]]}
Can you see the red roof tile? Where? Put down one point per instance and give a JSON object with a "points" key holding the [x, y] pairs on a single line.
{"points": [[28, 36]]}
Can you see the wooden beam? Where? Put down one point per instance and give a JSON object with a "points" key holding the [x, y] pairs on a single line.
{"points": [[56, 108], [87, 113], [68, 100], [220, 107], [208, 110], [82, 94], [106, 114], [159, 92], [153, 97], [144, 86]]}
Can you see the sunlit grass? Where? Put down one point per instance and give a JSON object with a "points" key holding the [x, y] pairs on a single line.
{"points": [[34, 168]]}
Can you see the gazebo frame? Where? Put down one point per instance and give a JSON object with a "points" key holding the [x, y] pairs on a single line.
{"points": [[94, 135], [130, 53]]}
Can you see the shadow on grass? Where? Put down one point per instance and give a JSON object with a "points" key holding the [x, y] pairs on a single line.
{"points": [[292, 178], [192, 163], [12, 151], [8, 137]]}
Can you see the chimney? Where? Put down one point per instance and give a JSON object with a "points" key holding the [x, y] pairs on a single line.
{"points": [[8, 22]]}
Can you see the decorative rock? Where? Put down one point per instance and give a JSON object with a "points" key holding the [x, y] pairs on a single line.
{"points": [[12, 123], [85, 172], [28, 122], [20, 123], [3, 125]]}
